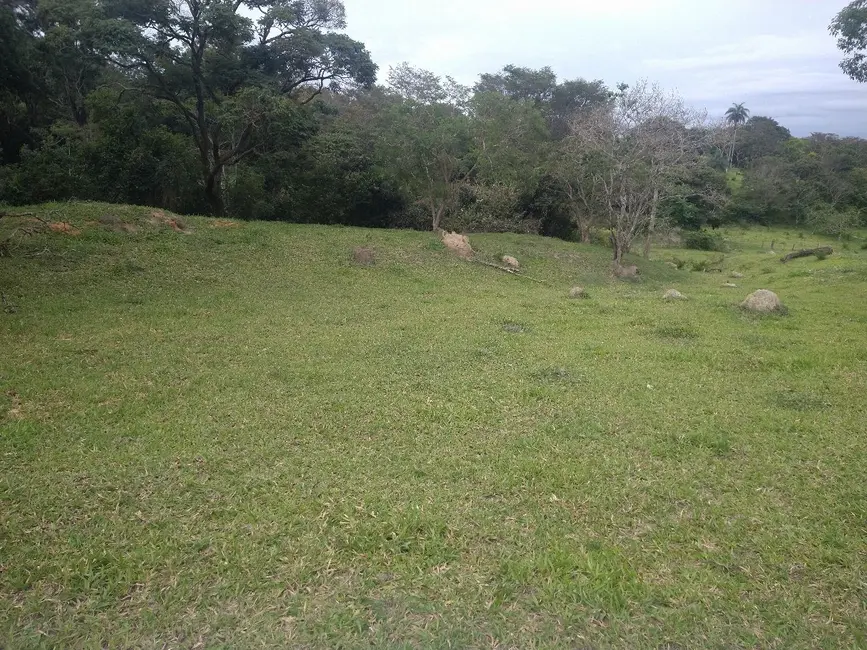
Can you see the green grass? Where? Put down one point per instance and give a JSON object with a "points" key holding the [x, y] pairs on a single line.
{"points": [[237, 438]]}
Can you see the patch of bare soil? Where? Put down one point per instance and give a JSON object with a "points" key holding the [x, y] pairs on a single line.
{"points": [[116, 224], [224, 223], [64, 227], [14, 413], [162, 218], [364, 256]]}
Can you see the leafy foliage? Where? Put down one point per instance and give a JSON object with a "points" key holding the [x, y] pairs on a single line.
{"points": [[266, 109], [704, 241], [850, 28]]}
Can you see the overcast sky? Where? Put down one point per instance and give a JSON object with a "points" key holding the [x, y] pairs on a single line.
{"points": [[774, 55]]}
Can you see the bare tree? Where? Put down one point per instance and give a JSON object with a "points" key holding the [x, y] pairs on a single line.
{"points": [[626, 158]]}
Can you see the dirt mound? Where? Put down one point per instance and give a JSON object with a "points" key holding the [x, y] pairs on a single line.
{"points": [[460, 244], [161, 218], [64, 227], [626, 271], [511, 262], [116, 224], [763, 302]]}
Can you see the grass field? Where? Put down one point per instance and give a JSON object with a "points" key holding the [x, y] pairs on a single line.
{"points": [[236, 438]]}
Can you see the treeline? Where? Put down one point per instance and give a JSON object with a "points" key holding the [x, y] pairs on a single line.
{"points": [[265, 109]]}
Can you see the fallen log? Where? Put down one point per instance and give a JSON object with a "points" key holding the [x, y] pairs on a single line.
{"points": [[807, 252]]}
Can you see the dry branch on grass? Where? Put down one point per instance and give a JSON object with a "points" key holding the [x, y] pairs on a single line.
{"points": [[508, 270], [26, 231]]}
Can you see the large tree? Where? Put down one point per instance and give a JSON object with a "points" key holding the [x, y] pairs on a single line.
{"points": [[229, 67], [850, 28]]}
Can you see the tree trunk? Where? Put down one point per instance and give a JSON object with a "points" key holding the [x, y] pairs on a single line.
{"points": [[582, 223], [652, 225], [436, 214], [214, 193], [618, 248], [734, 140]]}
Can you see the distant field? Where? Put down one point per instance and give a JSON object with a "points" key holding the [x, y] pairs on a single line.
{"points": [[232, 437]]}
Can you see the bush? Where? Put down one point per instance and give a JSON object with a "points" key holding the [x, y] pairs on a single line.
{"points": [[835, 223], [704, 241], [490, 208], [547, 203]]}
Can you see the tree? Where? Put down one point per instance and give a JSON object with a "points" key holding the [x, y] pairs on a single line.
{"points": [[629, 156], [229, 76], [425, 137], [850, 28], [572, 97], [736, 115], [760, 137], [508, 139], [835, 223], [520, 83]]}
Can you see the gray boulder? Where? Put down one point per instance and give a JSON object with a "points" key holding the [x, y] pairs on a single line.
{"points": [[763, 302]]}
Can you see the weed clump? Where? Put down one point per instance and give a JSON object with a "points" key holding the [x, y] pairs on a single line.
{"points": [[708, 266], [702, 240]]}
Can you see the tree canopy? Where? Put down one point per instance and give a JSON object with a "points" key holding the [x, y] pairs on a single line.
{"points": [[268, 109], [850, 28]]}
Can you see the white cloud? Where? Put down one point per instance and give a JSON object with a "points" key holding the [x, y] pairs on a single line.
{"points": [[774, 54], [761, 49]]}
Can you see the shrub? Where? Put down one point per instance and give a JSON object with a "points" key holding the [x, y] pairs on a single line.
{"points": [[548, 205], [491, 208], [702, 240], [835, 223]]}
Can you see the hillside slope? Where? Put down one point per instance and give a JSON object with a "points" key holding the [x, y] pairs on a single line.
{"points": [[225, 434]]}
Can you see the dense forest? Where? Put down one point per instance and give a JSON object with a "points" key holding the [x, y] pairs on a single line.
{"points": [[266, 109]]}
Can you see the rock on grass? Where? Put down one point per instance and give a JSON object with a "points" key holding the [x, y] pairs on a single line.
{"points": [[763, 302]]}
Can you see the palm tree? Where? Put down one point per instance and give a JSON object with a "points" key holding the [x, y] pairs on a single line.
{"points": [[736, 115]]}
